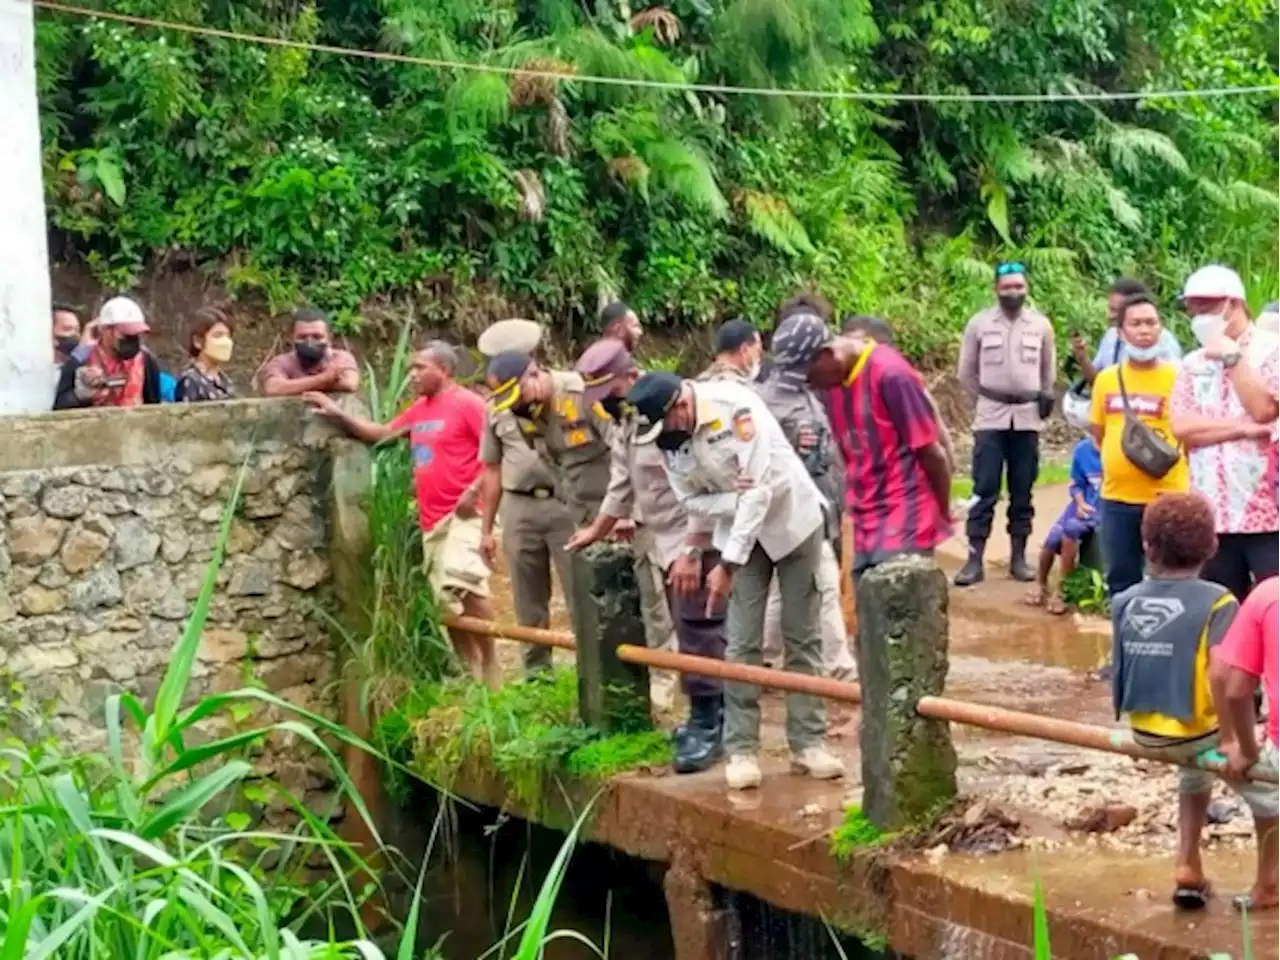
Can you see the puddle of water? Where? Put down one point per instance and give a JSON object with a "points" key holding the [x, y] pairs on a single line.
{"points": [[1050, 641]]}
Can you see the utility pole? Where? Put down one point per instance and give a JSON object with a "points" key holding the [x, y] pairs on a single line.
{"points": [[26, 344]]}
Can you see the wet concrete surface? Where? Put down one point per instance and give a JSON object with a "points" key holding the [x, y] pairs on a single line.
{"points": [[1002, 652]]}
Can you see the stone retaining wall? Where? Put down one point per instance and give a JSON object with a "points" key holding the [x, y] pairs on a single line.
{"points": [[109, 521]]}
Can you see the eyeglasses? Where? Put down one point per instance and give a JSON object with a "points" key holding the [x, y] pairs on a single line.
{"points": [[1010, 269]]}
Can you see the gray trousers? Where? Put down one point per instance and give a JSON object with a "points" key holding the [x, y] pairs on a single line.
{"points": [[659, 631], [797, 575], [534, 532]]}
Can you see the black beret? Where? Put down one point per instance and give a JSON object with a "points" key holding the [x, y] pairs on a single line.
{"points": [[654, 394]]}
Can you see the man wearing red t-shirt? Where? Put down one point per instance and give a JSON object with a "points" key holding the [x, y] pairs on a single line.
{"points": [[443, 426], [898, 482]]}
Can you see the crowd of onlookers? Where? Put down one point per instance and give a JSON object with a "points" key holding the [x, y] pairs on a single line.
{"points": [[733, 488], [106, 362]]}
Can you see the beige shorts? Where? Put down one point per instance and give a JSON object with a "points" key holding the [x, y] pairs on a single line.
{"points": [[455, 566], [1262, 799]]}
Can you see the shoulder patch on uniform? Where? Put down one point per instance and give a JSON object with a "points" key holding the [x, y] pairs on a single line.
{"points": [[743, 425]]}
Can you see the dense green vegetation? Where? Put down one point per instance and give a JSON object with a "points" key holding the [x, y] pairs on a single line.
{"points": [[352, 182]]}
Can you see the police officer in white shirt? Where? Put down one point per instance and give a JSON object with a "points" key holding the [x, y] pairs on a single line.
{"points": [[740, 481]]}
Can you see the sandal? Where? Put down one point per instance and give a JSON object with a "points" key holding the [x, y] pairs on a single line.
{"points": [[1034, 597], [1192, 896], [1246, 903], [1056, 605]]}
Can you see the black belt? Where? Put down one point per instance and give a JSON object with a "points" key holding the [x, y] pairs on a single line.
{"points": [[538, 493], [1012, 399]]}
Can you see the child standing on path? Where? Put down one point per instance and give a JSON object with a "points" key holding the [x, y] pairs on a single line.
{"points": [[1078, 520]]}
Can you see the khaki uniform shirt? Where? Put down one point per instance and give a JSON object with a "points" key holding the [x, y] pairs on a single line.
{"points": [[722, 371], [575, 443], [1008, 356], [512, 442], [735, 434], [639, 489]]}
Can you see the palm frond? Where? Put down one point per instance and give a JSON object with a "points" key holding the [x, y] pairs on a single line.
{"points": [[684, 172], [1129, 146], [770, 218]]}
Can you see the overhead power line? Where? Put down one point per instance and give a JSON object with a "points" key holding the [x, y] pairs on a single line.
{"points": [[726, 89]]}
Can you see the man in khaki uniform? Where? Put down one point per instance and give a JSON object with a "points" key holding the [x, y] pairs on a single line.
{"points": [[547, 468], [739, 479], [1006, 359]]}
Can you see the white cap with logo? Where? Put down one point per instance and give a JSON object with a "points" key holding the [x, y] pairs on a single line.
{"points": [[124, 315], [1214, 282]]}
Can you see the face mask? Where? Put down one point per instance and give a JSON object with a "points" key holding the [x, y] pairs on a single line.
{"points": [[523, 410], [1208, 327], [616, 407], [1143, 354], [673, 440], [128, 347], [67, 344], [310, 353], [1012, 302], [218, 350]]}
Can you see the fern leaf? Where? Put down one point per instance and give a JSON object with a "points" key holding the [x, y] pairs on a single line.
{"points": [[771, 219], [479, 99], [1125, 212], [1245, 197], [1130, 146], [684, 172]]}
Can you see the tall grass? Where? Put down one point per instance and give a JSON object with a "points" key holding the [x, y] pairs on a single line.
{"points": [[147, 849]]}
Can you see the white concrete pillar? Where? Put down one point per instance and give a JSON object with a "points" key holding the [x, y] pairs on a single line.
{"points": [[26, 350]]}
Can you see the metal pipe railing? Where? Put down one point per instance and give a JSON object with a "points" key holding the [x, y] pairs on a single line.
{"points": [[997, 719]]}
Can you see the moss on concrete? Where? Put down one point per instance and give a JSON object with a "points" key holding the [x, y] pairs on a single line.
{"points": [[527, 733]]}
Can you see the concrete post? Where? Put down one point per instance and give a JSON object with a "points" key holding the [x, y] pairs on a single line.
{"points": [[612, 696], [26, 348], [908, 762]]}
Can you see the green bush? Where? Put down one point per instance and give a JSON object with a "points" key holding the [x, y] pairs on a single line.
{"points": [[348, 181]]}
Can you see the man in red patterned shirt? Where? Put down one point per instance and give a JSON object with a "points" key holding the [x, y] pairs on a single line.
{"points": [[898, 482]]}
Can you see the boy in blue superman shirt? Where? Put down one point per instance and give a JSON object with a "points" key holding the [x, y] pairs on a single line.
{"points": [[1076, 523]]}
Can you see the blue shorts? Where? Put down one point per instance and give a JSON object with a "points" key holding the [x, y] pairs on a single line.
{"points": [[1071, 526]]}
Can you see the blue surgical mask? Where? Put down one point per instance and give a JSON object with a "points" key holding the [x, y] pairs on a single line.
{"points": [[1143, 354]]}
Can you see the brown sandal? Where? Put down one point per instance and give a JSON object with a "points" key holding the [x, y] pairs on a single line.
{"points": [[1034, 597], [1056, 605]]}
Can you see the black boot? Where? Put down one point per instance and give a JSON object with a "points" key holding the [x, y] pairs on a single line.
{"points": [[702, 743], [1018, 568], [972, 571]]}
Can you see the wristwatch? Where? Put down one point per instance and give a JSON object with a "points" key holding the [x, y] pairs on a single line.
{"points": [[1231, 358]]}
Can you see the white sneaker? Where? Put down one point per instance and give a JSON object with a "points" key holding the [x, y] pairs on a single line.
{"points": [[818, 762], [742, 773]]}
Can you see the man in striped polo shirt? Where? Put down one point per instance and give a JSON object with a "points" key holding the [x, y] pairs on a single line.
{"points": [[898, 481]]}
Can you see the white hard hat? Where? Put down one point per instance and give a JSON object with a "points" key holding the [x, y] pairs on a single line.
{"points": [[123, 314], [1214, 282]]}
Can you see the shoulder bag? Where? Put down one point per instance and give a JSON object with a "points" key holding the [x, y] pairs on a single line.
{"points": [[1142, 446]]}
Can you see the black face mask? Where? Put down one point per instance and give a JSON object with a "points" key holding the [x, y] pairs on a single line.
{"points": [[67, 344], [523, 410], [128, 347], [310, 353], [615, 407], [1011, 303], [673, 440]]}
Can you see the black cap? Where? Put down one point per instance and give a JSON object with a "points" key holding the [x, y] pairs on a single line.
{"points": [[507, 369], [654, 394], [734, 333]]}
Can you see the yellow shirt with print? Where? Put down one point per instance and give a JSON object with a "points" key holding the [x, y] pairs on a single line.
{"points": [[1204, 717], [1149, 392]]}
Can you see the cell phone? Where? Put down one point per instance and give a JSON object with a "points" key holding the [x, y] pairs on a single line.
{"points": [[115, 382]]}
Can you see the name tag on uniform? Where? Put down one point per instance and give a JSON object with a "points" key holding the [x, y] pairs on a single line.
{"points": [[719, 435]]}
